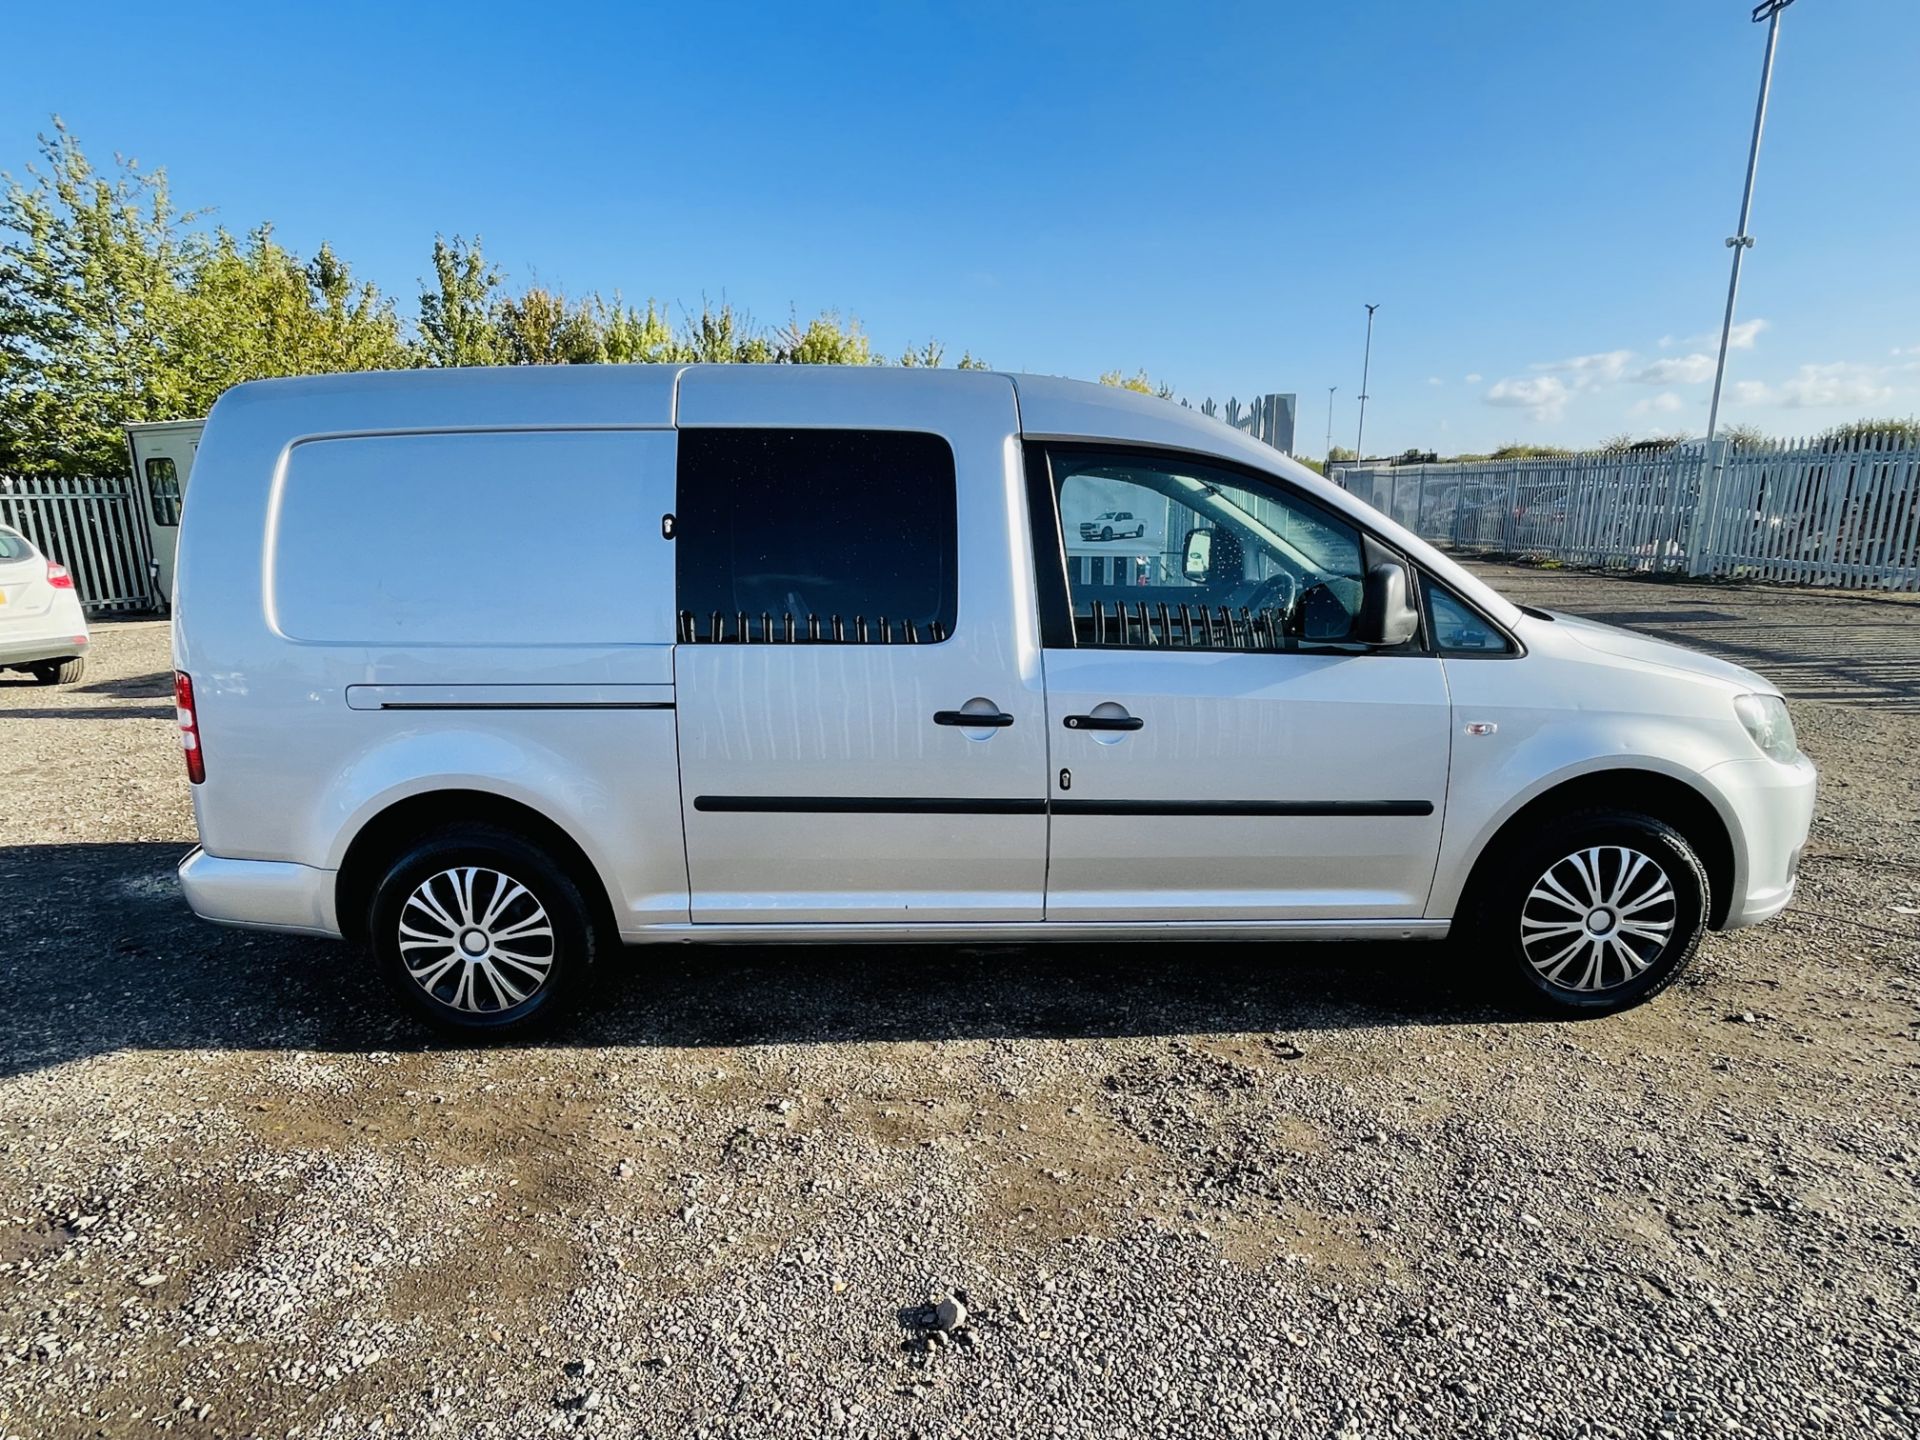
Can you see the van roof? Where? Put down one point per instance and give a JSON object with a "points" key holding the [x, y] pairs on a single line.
{"points": [[1050, 406], [532, 396]]}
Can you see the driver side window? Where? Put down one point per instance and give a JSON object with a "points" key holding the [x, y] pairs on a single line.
{"points": [[1206, 559]]}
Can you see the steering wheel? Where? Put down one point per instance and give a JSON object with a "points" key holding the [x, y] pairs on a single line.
{"points": [[1278, 592]]}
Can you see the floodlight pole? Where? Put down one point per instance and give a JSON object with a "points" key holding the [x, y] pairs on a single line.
{"points": [[1740, 242], [1330, 390], [1366, 365]]}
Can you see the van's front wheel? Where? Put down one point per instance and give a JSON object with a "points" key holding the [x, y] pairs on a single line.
{"points": [[480, 931], [1596, 912]]}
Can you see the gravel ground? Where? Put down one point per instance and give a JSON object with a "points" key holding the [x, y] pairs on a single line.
{"points": [[1178, 1190]]}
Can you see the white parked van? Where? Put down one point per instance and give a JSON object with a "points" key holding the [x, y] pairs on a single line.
{"points": [[493, 669], [161, 453]]}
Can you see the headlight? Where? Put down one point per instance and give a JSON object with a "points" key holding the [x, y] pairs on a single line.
{"points": [[1766, 720]]}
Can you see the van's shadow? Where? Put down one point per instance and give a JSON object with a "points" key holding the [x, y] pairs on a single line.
{"points": [[103, 955]]}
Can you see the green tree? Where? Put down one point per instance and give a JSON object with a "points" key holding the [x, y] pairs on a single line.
{"points": [[635, 337], [542, 327], [91, 276], [969, 361], [1855, 433], [721, 335], [362, 328], [824, 341], [253, 311], [1514, 450], [461, 308], [1137, 382]]}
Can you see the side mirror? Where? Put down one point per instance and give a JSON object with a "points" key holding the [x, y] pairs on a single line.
{"points": [[1197, 561], [1387, 613]]}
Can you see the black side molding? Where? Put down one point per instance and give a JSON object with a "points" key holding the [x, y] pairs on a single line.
{"points": [[950, 805], [864, 804], [1329, 809]]}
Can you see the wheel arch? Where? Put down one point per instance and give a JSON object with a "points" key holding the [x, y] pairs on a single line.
{"points": [[384, 834], [1664, 797]]}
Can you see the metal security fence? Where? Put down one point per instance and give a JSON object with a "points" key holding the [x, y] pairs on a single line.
{"points": [[1267, 418], [1840, 513], [95, 528]]}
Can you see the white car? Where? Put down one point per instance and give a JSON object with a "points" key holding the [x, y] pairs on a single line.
{"points": [[1113, 525], [797, 653], [43, 630]]}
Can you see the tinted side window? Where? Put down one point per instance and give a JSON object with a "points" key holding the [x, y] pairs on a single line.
{"points": [[1458, 627], [163, 488], [1207, 557], [816, 535]]}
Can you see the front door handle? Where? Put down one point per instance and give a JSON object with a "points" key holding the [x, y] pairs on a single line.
{"points": [[1103, 722], [974, 720]]}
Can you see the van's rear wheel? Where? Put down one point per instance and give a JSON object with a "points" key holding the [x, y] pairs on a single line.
{"points": [[480, 931], [1596, 912]]}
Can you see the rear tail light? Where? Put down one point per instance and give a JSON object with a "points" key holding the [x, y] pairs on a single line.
{"points": [[189, 726], [58, 577]]}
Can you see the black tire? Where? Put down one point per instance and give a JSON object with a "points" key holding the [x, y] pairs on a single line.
{"points": [[59, 672], [1516, 925], [1106, 533], [486, 851]]}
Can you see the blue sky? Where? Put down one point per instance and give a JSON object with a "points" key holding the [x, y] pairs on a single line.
{"points": [[1535, 193]]}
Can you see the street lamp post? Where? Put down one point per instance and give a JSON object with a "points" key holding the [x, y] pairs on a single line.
{"points": [[1330, 390], [1366, 365], [1740, 242]]}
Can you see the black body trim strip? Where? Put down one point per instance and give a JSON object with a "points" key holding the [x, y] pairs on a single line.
{"points": [[1323, 808], [526, 704], [864, 805], [944, 805]]}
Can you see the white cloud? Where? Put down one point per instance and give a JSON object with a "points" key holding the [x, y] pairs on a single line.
{"points": [[1591, 370], [1695, 369], [1435, 380], [1543, 395], [1741, 337], [1474, 378], [1665, 403], [1816, 387]]}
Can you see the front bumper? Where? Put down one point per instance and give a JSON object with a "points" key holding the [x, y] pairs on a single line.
{"points": [[260, 894], [1774, 805]]}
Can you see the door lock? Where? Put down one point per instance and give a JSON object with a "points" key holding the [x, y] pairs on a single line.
{"points": [[1066, 778]]}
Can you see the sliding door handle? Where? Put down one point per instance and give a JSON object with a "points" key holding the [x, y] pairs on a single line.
{"points": [[974, 719], [1104, 722]]}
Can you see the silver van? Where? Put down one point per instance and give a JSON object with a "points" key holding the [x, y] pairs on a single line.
{"points": [[493, 671]]}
